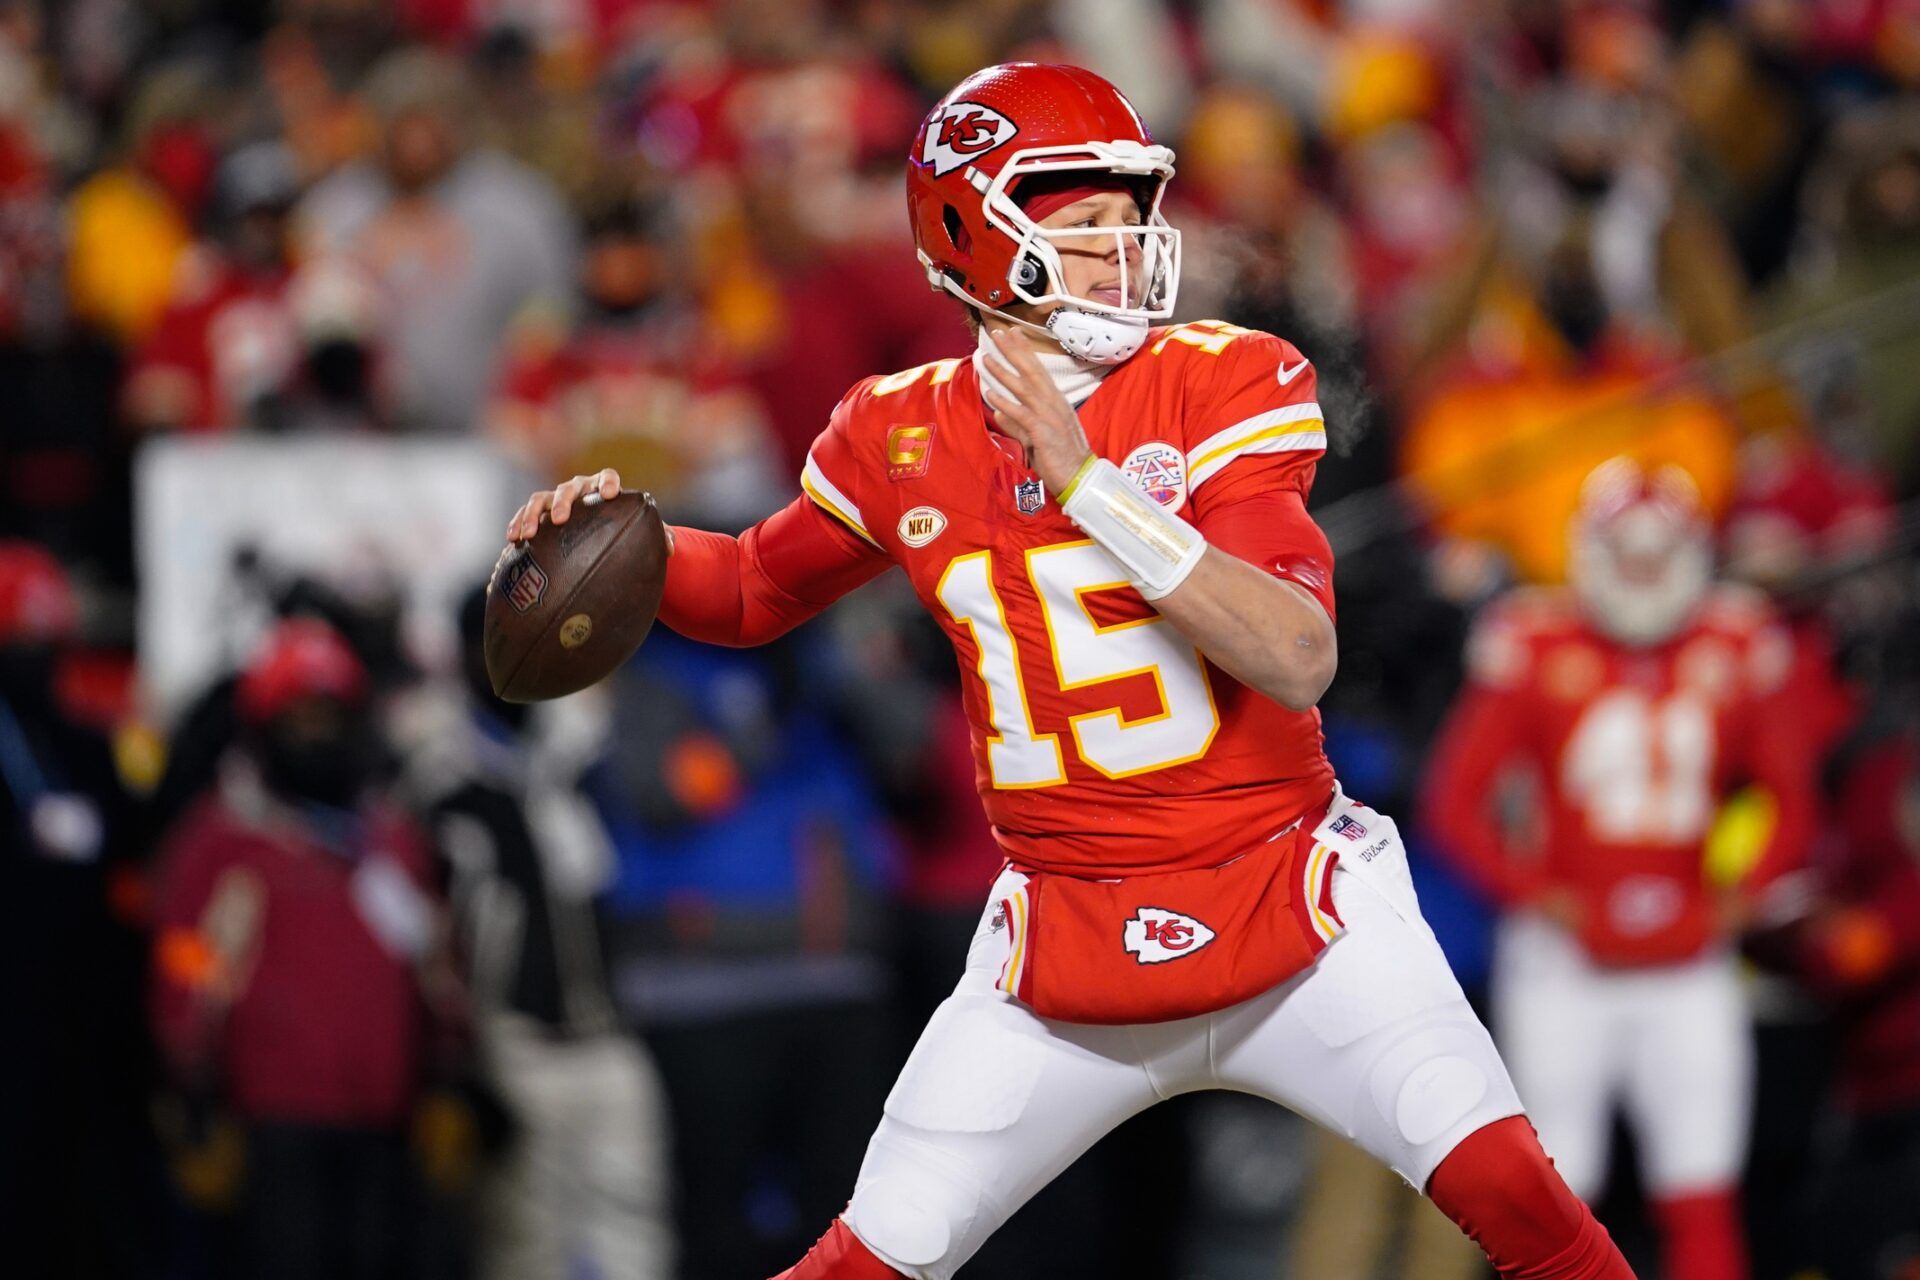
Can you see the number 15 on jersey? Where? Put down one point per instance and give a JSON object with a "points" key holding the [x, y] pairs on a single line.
{"points": [[1085, 655]]}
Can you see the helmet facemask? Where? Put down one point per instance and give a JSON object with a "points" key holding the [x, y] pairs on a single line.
{"points": [[1088, 328], [1642, 568]]}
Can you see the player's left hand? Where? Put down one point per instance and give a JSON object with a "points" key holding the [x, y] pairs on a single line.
{"points": [[1033, 411]]}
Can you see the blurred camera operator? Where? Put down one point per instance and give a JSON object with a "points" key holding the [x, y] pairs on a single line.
{"points": [[296, 939], [585, 1179]]}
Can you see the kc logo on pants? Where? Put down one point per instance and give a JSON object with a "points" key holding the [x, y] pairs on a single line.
{"points": [[1156, 935]]}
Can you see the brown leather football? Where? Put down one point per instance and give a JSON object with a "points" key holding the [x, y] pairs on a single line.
{"points": [[568, 606]]}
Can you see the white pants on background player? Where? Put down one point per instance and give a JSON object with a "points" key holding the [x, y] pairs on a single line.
{"points": [[1670, 1045]]}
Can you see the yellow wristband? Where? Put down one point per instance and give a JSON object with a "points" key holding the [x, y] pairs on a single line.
{"points": [[1078, 476]]}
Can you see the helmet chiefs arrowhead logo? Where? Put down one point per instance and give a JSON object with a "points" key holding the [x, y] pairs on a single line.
{"points": [[963, 131], [1156, 935]]}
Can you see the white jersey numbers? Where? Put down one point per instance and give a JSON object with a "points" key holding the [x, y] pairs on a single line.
{"points": [[1017, 756], [938, 371], [1642, 768], [1085, 654], [1210, 336]]}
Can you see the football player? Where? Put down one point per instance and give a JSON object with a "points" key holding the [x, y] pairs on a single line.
{"points": [[1107, 516], [1637, 701]]}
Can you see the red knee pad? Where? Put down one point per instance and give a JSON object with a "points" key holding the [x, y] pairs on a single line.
{"points": [[839, 1256], [1701, 1237], [1499, 1187]]}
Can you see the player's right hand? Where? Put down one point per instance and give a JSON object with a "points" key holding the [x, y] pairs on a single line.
{"points": [[557, 503]]}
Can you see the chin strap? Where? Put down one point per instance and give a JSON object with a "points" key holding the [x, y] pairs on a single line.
{"points": [[1097, 339], [1100, 339]]}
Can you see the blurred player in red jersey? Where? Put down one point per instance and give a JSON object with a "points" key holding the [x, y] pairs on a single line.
{"points": [[1109, 521], [1638, 701]]}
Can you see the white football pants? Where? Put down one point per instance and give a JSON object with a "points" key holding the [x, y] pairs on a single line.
{"points": [[1375, 1041], [1671, 1044]]}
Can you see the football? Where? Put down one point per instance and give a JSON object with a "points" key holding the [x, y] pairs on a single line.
{"points": [[568, 606]]}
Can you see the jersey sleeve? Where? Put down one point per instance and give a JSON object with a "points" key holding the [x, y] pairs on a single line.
{"points": [[1257, 426], [831, 476], [1251, 450], [1484, 736], [755, 588], [1272, 531], [1784, 762]]}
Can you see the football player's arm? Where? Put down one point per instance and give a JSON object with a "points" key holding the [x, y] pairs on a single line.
{"points": [[1781, 762], [1259, 603], [1476, 746], [1266, 631], [736, 591], [759, 586]]}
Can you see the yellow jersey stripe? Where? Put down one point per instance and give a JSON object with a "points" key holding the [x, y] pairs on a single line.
{"points": [[827, 504], [1305, 434]]}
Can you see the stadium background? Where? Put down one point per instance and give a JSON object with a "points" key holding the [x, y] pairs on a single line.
{"points": [[298, 298]]}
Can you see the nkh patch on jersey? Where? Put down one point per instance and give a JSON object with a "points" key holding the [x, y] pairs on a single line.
{"points": [[1156, 935], [922, 525], [964, 131]]}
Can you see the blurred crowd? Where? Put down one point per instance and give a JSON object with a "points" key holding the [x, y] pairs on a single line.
{"points": [[341, 967]]}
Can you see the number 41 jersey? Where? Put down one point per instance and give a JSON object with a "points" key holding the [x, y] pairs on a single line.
{"points": [[1104, 743]]}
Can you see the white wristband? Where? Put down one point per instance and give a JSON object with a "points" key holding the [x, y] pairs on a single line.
{"points": [[1156, 547]]}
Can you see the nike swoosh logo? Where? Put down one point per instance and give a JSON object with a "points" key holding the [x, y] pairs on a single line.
{"points": [[1287, 375]]}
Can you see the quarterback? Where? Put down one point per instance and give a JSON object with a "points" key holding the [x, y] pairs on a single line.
{"points": [[1107, 515]]}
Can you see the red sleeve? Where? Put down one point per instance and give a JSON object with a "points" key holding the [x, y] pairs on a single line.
{"points": [[759, 586], [1272, 531], [1253, 433], [1484, 735], [185, 964], [1780, 757]]}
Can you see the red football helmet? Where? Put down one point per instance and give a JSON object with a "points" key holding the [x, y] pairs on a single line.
{"points": [[1642, 550], [1009, 123]]}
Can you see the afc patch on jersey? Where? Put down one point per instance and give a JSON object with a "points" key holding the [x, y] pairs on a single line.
{"points": [[962, 132], [1158, 470], [1156, 935]]}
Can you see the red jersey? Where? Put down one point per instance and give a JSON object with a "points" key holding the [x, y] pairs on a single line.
{"points": [[1632, 750], [1102, 739]]}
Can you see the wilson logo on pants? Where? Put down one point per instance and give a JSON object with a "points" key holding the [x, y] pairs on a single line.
{"points": [[1155, 935]]}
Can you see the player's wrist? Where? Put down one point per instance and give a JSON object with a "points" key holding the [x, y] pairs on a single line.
{"points": [[1079, 473], [1156, 547]]}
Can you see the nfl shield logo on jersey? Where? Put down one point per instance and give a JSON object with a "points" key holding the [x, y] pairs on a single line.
{"points": [[1156, 935], [1029, 496], [1345, 825], [524, 582]]}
